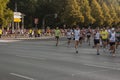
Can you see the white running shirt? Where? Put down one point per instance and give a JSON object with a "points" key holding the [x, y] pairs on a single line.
{"points": [[69, 34], [97, 36], [112, 37], [77, 34]]}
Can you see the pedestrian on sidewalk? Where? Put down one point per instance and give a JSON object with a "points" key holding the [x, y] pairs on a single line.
{"points": [[1, 32], [30, 32]]}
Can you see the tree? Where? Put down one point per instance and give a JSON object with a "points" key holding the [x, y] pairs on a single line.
{"points": [[114, 14], [106, 13], [6, 15], [72, 13], [97, 13], [113, 7], [86, 11]]}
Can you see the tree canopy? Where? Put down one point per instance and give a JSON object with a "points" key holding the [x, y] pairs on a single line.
{"points": [[82, 12], [6, 15]]}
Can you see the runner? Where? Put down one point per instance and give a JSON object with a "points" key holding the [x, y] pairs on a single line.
{"points": [[83, 34], [57, 35], [97, 41], [117, 38], [69, 36], [88, 36], [81, 37], [101, 44], [104, 37], [112, 41], [77, 36]]}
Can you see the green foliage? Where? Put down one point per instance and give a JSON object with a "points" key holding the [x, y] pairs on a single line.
{"points": [[114, 15], [72, 14], [6, 15], [106, 13], [97, 13], [85, 12]]}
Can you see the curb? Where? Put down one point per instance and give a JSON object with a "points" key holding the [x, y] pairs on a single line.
{"points": [[37, 38]]}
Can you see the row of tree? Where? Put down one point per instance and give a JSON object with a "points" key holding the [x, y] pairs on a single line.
{"points": [[92, 12], [70, 12]]}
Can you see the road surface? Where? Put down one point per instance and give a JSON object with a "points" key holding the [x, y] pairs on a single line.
{"points": [[42, 60]]}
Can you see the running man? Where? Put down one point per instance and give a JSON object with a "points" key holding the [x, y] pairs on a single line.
{"points": [[77, 37], [112, 41], [104, 37], [57, 35], [117, 37]]}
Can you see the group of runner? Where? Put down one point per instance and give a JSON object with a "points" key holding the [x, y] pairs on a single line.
{"points": [[105, 38]]}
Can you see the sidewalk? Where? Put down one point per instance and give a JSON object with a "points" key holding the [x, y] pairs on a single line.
{"points": [[25, 38]]}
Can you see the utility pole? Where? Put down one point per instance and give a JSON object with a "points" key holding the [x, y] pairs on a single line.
{"points": [[23, 21], [14, 24], [15, 7]]}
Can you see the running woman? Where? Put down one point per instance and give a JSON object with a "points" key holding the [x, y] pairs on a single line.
{"points": [[112, 41], [57, 35], [97, 41], [77, 37], [69, 36]]}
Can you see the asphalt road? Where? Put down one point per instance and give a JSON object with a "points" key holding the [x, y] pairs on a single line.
{"points": [[42, 60]]}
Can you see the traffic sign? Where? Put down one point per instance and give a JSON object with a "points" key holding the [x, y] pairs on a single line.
{"points": [[17, 16], [17, 20]]}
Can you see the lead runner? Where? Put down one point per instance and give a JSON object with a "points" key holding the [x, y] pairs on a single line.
{"points": [[77, 37]]}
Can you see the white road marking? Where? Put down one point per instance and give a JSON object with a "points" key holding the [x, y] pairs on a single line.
{"points": [[31, 57], [95, 71], [92, 65], [86, 73], [9, 40], [21, 76]]}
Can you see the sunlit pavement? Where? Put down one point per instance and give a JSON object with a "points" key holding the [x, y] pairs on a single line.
{"points": [[42, 60]]}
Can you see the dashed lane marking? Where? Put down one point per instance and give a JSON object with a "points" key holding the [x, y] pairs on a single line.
{"points": [[22, 76], [31, 57]]}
